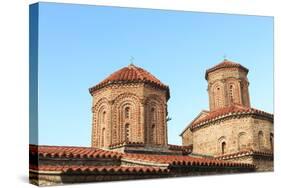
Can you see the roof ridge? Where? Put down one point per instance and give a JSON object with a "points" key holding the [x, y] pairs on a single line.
{"points": [[151, 75], [137, 71], [229, 110]]}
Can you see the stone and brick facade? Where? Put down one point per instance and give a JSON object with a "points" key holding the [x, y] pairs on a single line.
{"points": [[231, 126], [227, 85], [129, 133], [130, 108]]}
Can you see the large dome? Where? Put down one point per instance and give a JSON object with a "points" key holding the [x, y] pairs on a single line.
{"points": [[130, 74]]}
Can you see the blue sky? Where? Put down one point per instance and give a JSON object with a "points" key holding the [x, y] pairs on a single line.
{"points": [[80, 45]]}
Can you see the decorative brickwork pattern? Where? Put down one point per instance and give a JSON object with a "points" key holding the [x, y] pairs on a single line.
{"points": [[227, 85], [130, 106], [231, 126]]}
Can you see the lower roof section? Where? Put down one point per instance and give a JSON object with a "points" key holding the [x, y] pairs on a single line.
{"points": [[56, 154], [51, 165]]}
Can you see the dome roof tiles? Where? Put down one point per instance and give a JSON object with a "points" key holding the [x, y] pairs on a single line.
{"points": [[225, 64], [130, 74]]}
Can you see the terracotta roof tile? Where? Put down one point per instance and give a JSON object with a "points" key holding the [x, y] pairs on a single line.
{"points": [[228, 111], [244, 153], [99, 169], [225, 64], [82, 152], [72, 152], [183, 160], [130, 73]]}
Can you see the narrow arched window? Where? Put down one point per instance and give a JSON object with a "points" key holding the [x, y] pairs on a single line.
{"points": [[102, 137], [218, 96], [271, 142], [223, 147], [153, 114], [242, 141], [261, 140], [127, 112], [231, 93], [153, 134], [127, 132], [103, 116]]}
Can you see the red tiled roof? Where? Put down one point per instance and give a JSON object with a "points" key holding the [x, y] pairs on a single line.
{"points": [[99, 169], [199, 116], [73, 152], [244, 153], [133, 74], [225, 64], [182, 160], [85, 152], [228, 111]]}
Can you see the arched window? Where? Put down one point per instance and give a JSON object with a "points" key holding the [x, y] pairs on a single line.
{"points": [[153, 114], [103, 116], [127, 132], [102, 137], [231, 93], [218, 96], [127, 112], [261, 140], [153, 134], [271, 142], [242, 141], [223, 147]]}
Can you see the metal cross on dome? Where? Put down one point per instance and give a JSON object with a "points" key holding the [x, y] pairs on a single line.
{"points": [[132, 60], [224, 57]]}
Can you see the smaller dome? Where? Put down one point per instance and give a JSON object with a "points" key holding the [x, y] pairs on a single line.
{"points": [[130, 74], [225, 64]]}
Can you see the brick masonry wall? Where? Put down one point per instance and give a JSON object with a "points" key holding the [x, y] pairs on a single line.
{"points": [[222, 79], [263, 165], [207, 140], [140, 99], [187, 138], [266, 127], [239, 133]]}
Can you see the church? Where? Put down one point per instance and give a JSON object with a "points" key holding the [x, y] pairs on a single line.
{"points": [[129, 133], [231, 129]]}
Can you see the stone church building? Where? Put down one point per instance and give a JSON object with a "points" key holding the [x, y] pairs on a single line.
{"points": [[129, 133], [231, 129]]}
